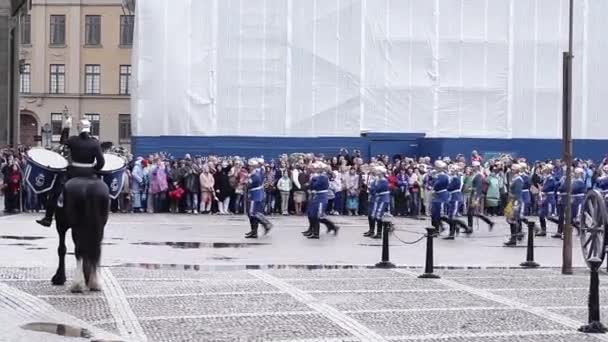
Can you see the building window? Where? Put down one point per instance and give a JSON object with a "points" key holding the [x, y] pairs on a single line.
{"points": [[56, 123], [57, 79], [126, 29], [124, 128], [26, 29], [125, 80], [57, 29], [92, 78], [26, 82], [94, 118], [92, 30]]}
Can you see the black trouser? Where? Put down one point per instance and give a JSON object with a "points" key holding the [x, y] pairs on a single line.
{"points": [[53, 196]]}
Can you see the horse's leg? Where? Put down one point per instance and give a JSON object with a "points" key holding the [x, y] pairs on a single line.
{"points": [[98, 222], [78, 281], [59, 277]]}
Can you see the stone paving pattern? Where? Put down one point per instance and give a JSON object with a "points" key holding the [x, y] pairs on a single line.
{"points": [[162, 293], [401, 308]]}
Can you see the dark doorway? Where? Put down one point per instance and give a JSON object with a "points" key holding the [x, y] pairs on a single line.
{"points": [[28, 129]]}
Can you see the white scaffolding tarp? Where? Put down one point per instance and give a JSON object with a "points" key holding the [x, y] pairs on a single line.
{"points": [[447, 68]]}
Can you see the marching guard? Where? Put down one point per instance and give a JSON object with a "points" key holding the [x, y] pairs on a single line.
{"points": [[319, 185], [474, 205], [602, 182], [370, 202], [579, 189], [513, 210], [440, 195], [255, 191], [578, 197], [455, 193], [381, 201], [561, 208], [547, 199]]}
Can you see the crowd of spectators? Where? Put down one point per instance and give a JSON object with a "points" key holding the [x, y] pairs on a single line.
{"points": [[217, 185]]}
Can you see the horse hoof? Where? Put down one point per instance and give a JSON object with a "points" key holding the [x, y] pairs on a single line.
{"points": [[94, 285], [77, 288], [58, 280]]}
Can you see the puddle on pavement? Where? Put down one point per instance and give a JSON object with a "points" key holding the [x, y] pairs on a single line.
{"points": [[16, 244], [57, 329], [376, 245], [221, 258], [36, 248], [198, 245], [181, 267], [13, 237], [116, 239]]}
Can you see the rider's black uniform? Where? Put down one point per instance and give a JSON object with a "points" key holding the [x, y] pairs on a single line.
{"points": [[84, 150]]}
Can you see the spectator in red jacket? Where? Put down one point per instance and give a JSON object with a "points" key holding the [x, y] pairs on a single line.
{"points": [[12, 188]]}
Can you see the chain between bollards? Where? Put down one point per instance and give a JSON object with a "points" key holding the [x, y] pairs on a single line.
{"points": [[530, 263], [594, 326], [385, 262], [431, 233]]}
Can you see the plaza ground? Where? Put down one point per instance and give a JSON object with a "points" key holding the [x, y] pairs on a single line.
{"points": [[195, 278]]}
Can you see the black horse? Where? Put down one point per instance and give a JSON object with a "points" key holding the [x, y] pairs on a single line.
{"points": [[86, 207]]}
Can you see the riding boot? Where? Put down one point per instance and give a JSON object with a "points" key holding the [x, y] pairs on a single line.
{"points": [[378, 230], [371, 223], [470, 220], [253, 234], [452, 231], [331, 227], [512, 239], [520, 233], [560, 230], [543, 227], [485, 219], [47, 220], [459, 224], [309, 230], [315, 229], [265, 223]]}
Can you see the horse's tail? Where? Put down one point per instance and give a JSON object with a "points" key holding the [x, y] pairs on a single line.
{"points": [[96, 209], [88, 205]]}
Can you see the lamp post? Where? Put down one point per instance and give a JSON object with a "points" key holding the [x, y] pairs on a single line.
{"points": [[567, 147]]}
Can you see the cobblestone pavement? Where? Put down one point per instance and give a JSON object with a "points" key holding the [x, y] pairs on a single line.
{"points": [[155, 289]]}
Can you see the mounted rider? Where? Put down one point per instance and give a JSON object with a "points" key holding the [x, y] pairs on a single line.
{"points": [[86, 158]]}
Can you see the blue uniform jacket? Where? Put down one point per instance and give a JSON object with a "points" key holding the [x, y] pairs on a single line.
{"points": [[255, 189], [578, 190], [525, 192], [549, 185], [381, 191], [440, 186], [561, 190], [517, 187], [602, 184], [454, 188], [319, 185]]}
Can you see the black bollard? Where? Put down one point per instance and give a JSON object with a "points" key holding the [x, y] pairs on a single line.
{"points": [[594, 326], [431, 233], [530, 263], [385, 263]]}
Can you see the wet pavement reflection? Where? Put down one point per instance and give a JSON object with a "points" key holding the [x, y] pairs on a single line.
{"points": [[57, 329], [198, 245], [13, 237]]}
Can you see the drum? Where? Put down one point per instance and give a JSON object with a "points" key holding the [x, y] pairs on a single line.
{"points": [[112, 173], [42, 169]]}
